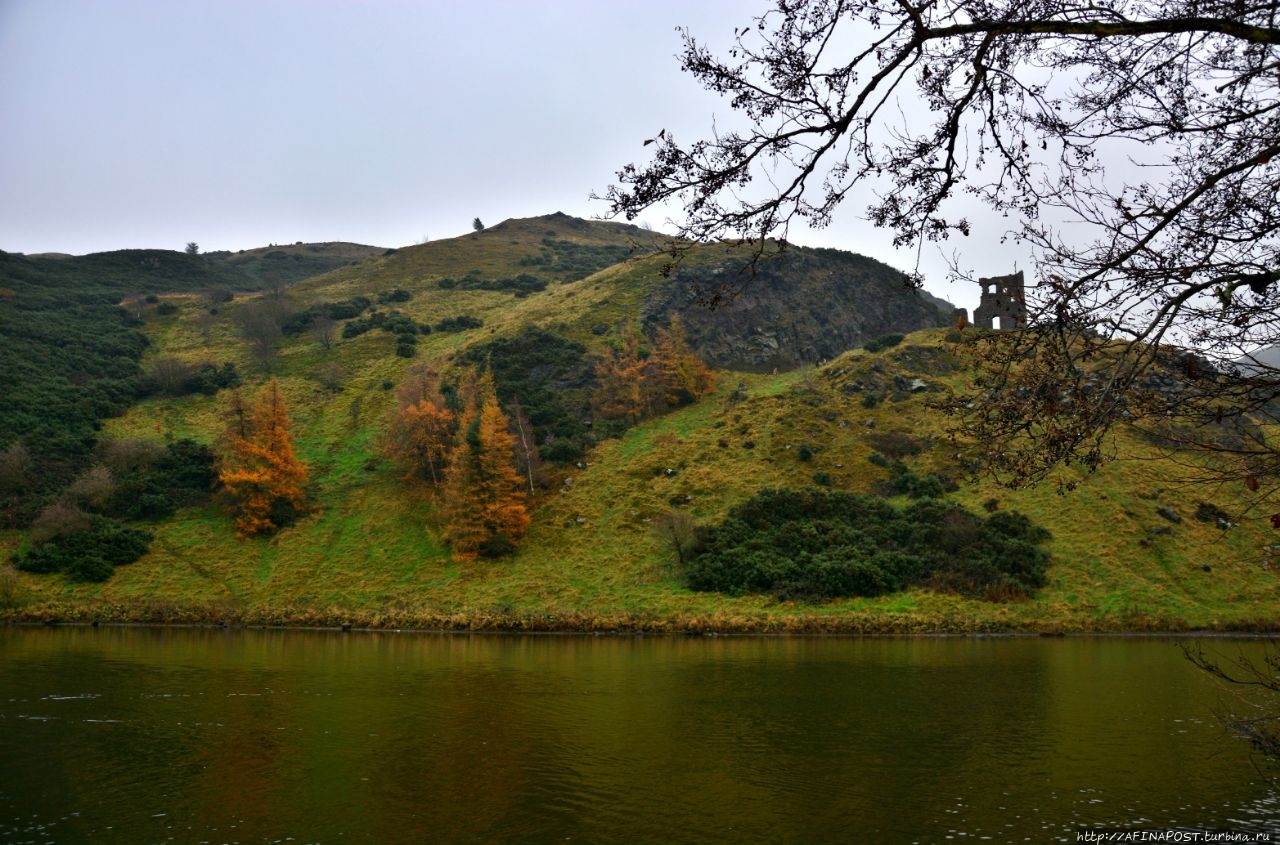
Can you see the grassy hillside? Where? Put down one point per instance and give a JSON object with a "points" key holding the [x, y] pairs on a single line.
{"points": [[370, 552]]}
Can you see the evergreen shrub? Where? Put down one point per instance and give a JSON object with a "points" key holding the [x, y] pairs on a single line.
{"points": [[88, 555], [819, 544]]}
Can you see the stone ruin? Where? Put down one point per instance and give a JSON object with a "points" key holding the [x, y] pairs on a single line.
{"points": [[1004, 298]]}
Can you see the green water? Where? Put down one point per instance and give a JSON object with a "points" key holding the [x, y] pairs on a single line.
{"points": [[157, 735]]}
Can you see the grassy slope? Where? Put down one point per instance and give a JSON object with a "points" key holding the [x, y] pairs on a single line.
{"points": [[370, 554]]}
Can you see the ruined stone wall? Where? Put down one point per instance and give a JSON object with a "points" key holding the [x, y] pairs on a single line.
{"points": [[1003, 298]]}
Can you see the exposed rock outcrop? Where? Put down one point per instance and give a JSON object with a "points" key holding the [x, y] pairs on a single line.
{"points": [[803, 306]]}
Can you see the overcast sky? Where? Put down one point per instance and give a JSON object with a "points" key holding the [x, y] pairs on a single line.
{"points": [[238, 123]]}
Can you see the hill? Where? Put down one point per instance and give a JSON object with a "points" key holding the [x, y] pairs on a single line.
{"points": [[801, 306], [546, 298]]}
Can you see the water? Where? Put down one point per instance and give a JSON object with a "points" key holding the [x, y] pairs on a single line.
{"points": [[182, 735]]}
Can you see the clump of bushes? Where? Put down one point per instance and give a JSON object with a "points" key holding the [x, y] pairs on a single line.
{"points": [[346, 309], [90, 552], [355, 328], [461, 323], [521, 285], [396, 322], [819, 544], [396, 295], [399, 323], [908, 483], [156, 484]]}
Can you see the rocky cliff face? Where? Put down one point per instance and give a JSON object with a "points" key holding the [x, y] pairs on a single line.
{"points": [[803, 306]]}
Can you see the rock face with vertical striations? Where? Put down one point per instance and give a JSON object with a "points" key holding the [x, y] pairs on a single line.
{"points": [[803, 306]]}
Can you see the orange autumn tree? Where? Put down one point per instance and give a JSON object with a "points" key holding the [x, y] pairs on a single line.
{"points": [[263, 478], [483, 503], [421, 438], [676, 372], [421, 433], [620, 390], [633, 385]]}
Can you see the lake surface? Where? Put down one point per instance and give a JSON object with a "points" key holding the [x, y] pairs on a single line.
{"points": [[132, 735]]}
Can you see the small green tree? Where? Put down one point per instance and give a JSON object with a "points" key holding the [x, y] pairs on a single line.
{"points": [[193, 248], [477, 225]]}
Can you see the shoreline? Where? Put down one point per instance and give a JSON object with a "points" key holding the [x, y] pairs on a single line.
{"points": [[639, 635], [470, 621]]}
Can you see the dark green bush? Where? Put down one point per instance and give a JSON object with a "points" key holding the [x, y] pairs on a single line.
{"points": [[345, 310], [184, 476], [89, 555], [166, 309], [819, 544], [560, 451], [460, 323], [914, 486], [549, 377], [399, 323], [359, 326], [905, 481]]}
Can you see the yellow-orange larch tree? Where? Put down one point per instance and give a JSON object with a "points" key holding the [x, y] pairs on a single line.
{"points": [[484, 505], [262, 475], [632, 385], [421, 433], [675, 372], [620, 381], [421, 438]]}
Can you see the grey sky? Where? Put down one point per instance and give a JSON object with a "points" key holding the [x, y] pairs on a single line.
{"points": [[237, 123]]}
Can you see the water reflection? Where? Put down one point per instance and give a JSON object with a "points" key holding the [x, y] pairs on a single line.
{"points": [[139, 735]]}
